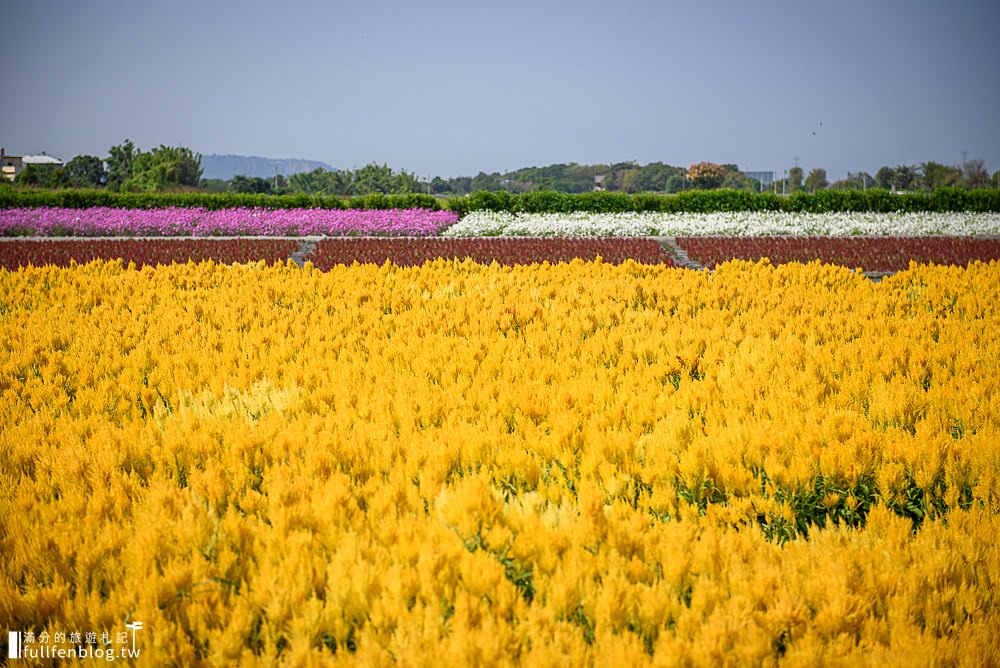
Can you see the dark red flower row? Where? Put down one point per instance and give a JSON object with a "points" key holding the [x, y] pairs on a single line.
{"points": [[59, 252], [874, 254], [506, 251]]}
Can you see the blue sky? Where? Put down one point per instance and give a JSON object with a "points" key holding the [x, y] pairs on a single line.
{"points": [[450, 88]]}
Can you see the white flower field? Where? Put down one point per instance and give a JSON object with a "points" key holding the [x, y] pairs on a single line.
{"points": [[738, 223]]}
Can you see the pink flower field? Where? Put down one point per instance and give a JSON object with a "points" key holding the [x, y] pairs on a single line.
{"points": [[175, 221]]}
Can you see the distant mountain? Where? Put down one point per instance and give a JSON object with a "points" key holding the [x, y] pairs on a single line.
{"points": [[226, 167]]}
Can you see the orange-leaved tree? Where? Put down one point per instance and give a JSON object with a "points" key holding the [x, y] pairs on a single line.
{"points": [[705, 175]]}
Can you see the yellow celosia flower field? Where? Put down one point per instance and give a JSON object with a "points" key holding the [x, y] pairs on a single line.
{"points": [[459, 464]]}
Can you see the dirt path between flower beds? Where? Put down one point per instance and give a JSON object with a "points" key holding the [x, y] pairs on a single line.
{"points": [[305, 249], [678, 254]]}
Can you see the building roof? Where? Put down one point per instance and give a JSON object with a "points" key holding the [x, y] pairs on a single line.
{"points": [[40, 160]]}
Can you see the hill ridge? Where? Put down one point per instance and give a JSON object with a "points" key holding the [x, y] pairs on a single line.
{"points": [[226, 166]]}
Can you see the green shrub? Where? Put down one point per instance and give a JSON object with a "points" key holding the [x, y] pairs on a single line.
{"points": [[81, 199], [543, 201], [482, 200], [706, 201], [956, 199]]}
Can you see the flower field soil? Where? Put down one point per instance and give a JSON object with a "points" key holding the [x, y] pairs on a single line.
{"points": [[466, 464], [875, 254], [505, 251], [16, 253]]}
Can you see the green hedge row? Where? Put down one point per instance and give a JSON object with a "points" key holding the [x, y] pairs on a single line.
{"points": [[82, 199], [705, 201], [943, 199]]}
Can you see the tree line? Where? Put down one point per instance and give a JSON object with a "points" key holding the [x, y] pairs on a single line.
{"points": [[922, 177], [627, 177], [126, 169], [178, 169]]}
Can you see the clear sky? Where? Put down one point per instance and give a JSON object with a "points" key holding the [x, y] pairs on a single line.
{"points": [[453, 87]]}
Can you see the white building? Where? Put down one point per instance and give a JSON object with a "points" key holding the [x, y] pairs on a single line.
{"points": [[12, 165]]}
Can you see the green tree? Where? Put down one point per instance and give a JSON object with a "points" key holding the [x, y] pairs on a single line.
{"points": [[32, 175], [934, 175], [121, 159], [677, 182], [484, 181], [145, 177], [86, 171], [250, 184], [904, 178], [310, 183], [372, 178], [974, 174], [406, 182], [164, 167], [567, 178], [621, 174], [214, 185], [580, 178], [338, 182], [816, 180], [180, 165], [630, 181], [884, 177], [795, 179], [59, 178], [440, 186], [863, 179], [735, 180], [461, 185], [655, 177], [43, 176]]}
